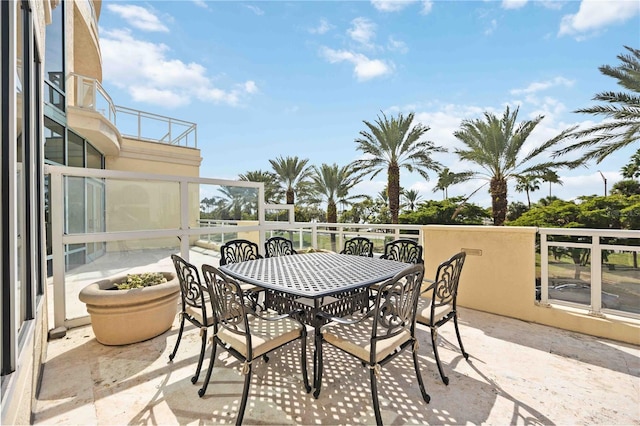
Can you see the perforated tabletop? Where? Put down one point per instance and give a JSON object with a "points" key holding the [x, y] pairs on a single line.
{"points": [[314, 274]]}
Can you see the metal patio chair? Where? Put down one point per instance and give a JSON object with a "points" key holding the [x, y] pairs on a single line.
{"points": [[403, 250], [245, 334], [439, 305], [378, 336], [193, 308], [278, 246], [240, 250], [358, 246]]}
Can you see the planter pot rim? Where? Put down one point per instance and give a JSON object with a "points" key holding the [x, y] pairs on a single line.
{"points": [[99, 293]]}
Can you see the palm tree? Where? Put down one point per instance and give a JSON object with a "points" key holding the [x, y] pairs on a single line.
{"points": [[291, 171], [527, 183], [446, 178], [272, 191], [495, 145], [332, 184], [412, 197], [551, 176], [392, 143], [621, 108]]}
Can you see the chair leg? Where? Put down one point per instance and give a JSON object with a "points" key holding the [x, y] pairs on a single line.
{"points": [[434, 335], [317, 361], [175, 349], [203, 389], [455, 323], [305, 377], [245, 396], [203, 349], [374, 396], [425, 395]]}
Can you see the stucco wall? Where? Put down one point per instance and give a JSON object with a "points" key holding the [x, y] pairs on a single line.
{"points": [[499, 277]]}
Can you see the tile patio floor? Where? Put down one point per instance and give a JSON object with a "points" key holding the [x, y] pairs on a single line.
{"points": [[518, 373]]}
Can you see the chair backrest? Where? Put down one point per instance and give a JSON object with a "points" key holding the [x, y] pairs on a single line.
{"points": [[396, 303], [191, 288], [445, 288], [403, 250], [235, 251], [358, 246], [227, 303], [278, 246]]}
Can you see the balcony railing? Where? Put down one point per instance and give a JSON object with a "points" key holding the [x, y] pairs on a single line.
{"points": [[591, 268], [106, 223], [140, 125]]}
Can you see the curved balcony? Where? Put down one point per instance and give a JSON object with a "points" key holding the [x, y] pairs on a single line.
{"points": [[86, 47]]}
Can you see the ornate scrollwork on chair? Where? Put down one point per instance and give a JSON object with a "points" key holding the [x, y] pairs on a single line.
{"points": [[403, 250], [358, 246], [278, 246]]}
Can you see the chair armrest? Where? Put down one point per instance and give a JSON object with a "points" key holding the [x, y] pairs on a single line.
{"points": [[293, 315], [430, 288]]}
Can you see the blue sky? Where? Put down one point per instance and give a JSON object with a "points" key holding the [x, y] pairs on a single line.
{"points": [[265, 79]]}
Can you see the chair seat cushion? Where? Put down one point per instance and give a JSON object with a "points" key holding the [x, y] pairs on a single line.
{"points": [[196, 313], [423, 314], [356, 339], [250, 287], [265, 335]]}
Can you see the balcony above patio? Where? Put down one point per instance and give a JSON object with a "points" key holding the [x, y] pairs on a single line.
{"points": [[517, 373]]}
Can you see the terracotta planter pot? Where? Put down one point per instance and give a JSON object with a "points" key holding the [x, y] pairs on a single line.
{"points": [[120, 317]]}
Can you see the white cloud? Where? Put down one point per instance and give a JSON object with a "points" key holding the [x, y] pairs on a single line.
{"points": [[364, 68], [397, 45], [362, 30], [493, 25], [138, 17], [543, 85], [143, 69], [201, 3], [323, 27], [391, 5], [255, 9], [513, 4], [552, 4], [595, 15], [427, 5]]}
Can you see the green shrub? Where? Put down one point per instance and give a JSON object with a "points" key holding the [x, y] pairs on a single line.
{"points": [[141, 280]]}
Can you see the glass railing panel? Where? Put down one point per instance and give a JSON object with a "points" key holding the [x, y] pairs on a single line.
{"points": [[621, 281], [570, 274], [220, 203]]}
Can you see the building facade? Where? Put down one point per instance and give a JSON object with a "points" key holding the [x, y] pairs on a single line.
{"points": [[55, 111]]}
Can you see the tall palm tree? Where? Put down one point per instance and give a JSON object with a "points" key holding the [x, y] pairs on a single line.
{"points": [[272, 191], [551, 176], [411, 197], [392, 143], [527, 183], [495, 144], [446, 178], [622, 109], [332, 184], [291, 171]]}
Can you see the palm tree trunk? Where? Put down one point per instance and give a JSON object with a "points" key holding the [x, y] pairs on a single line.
{"points": [[528, 200], [393, 190], [290, 195], [332, 217], [498, 191]]}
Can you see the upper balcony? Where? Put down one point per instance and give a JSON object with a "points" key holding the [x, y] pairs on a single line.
{"points": [[92, 112]]}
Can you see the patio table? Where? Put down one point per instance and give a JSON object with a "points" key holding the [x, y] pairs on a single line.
{"points": [[335, 283], [329, 282]]}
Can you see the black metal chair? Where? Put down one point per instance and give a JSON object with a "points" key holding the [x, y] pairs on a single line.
{"points": [[378, 336], [440, 305], [239, 250], [193, 308], [245, 334], [278, 246], [403, 250], [358, 246]]}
